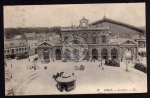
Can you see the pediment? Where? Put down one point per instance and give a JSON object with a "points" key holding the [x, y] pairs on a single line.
{"points": [[45, 44], [129, 42]]}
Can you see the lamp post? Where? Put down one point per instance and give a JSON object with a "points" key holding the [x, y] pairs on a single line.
{"points": [[126, 65], [127, 57]]}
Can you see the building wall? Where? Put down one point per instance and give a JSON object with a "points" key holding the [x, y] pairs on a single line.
{"points": [[120, 51], [89, 35], [32, 45], [17, 47]]}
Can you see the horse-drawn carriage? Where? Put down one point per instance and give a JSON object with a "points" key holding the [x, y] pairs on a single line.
{"points": [[79, 67]]}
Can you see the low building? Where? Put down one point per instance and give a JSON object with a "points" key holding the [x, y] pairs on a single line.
{"points": [[32, 43], [141, 40], [16, 46], [41, 37], [53, 36]]}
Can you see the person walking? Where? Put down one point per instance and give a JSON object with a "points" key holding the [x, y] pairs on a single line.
{"points": [[99, 65], [102, 68]]}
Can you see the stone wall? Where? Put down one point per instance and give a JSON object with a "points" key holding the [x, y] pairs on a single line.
{"points": [[89, 35]]}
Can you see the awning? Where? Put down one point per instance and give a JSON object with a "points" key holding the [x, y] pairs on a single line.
{"points": [[142, 50], [66, 78]]}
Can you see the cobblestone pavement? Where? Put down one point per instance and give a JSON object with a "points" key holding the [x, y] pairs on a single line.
{"points": [[93, 79]]}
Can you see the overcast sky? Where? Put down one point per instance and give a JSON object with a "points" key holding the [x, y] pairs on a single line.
{"points": [[65, 15]]}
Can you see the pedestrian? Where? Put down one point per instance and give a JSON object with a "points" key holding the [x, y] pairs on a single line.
{"points": [[34, 68], [73, 74], [102, 68], [29, 59], [101, 63], [128, 62], [11, 65], [12, 91]]}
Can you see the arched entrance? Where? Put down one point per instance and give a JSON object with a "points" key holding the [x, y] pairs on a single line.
{"points": [[128, 53], [58, 54], [46, 54], [104, 53], [66, 55], [114, 54], [36, 51], [95, 54], [65, 38]]}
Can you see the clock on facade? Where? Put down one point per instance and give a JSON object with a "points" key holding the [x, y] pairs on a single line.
{"points": [[84, 24]]}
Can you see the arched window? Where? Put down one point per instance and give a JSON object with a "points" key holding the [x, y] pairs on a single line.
{"points": [[94, 38], [65, 38], [58, 54], [85, 36], [75, 41], [103, 37]]}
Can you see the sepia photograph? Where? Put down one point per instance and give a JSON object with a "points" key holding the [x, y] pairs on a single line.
{"points": [[75, 49]]}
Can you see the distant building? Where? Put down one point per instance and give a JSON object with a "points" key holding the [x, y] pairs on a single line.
{"points": [[141, 40], [41, 37], [53, 36], [16, 46], [32, 43]]}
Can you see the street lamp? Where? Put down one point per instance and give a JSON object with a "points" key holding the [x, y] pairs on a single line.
{"points": [[126, 65], [127, 57]]}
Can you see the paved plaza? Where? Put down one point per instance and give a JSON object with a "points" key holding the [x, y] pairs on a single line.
{"points": [[93, 79]]}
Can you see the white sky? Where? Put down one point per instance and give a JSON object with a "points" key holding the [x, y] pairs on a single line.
{"points": [[65, 15]]}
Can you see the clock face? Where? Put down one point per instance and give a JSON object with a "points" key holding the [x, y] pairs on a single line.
{"points": [[83, 24]]}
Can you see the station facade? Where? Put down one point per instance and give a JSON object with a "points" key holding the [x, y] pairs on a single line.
{"points": [[106, 39]]}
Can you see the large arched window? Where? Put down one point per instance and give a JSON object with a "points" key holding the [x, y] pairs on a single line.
{"points": [[103, 37], [85, 36], [94, 38], [75, 41], [65, 38], [58, 54]]}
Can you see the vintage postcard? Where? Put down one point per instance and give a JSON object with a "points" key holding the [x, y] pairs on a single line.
{"points": [[75, 49]]}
